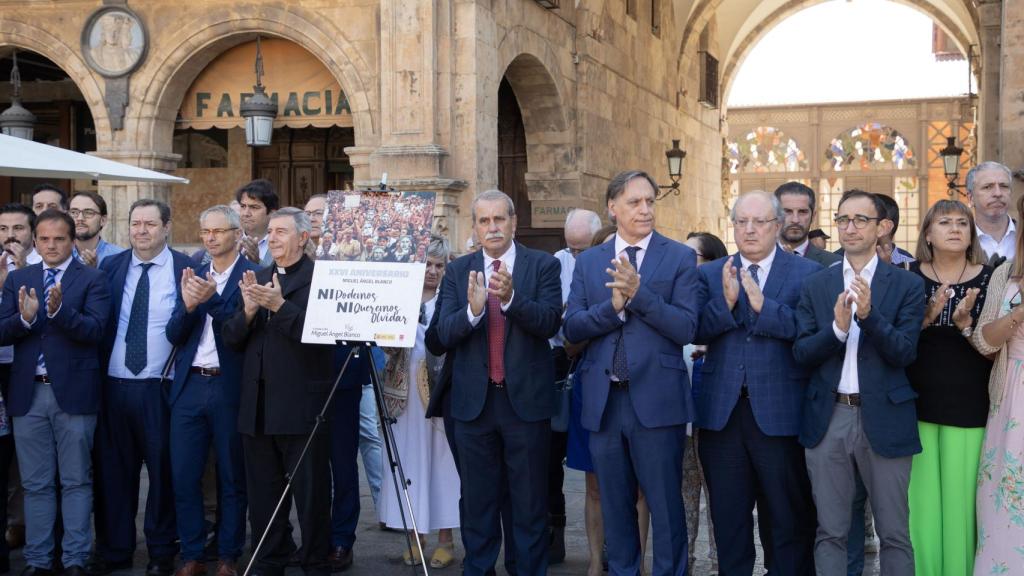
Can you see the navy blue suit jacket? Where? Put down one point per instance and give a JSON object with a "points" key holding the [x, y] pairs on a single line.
{"points": [[116, 269], [661, 319], [185, 329], [753, 350], [887, 345], [69, 341], [531, 319]]}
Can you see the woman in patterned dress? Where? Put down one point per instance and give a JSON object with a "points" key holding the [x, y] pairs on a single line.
{"points": [[1000, 495]]}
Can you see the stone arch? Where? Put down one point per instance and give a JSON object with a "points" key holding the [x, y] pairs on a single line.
{"points": [[29, 37], [196, 44], [532, 69], [742, 46]]}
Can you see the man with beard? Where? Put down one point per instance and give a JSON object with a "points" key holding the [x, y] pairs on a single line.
{"points": [[798, 204], [257, 200], [89, 211], [17, 222]]}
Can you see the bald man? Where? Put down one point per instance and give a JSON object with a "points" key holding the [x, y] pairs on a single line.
{"points": [[580, 227]]}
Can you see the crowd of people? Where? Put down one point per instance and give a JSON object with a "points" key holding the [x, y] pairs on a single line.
{"points": [[837, 393]]}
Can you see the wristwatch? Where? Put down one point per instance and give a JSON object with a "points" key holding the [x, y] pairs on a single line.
{"points": [[967, 332]]}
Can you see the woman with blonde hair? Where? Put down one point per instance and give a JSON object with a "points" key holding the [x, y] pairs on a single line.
{"points": [[951, 380], [1000, 492]]}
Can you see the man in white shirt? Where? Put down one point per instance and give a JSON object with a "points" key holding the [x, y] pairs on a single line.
{"points": [[989, 188], [204, 396], [857, 330], [580, 227]]}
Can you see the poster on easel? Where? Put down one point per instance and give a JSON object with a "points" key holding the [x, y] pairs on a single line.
{"points": [[369, 268]]}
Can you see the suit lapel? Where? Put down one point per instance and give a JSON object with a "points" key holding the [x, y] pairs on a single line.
{"points": [[120, 277], [68, 278], [879, 286], [655, 253], [777, 274], [518, 276], [236, 275]]}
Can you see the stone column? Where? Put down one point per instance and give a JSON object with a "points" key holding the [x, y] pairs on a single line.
{"points": [[990, 17], [121, 195], [1011, 140], [415, 42]]}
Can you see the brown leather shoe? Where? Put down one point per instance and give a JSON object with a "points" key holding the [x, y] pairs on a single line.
{"points": [[15, 536], [227, 568], [191, 568]]}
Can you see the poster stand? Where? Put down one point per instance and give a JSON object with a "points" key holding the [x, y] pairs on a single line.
{"points": [[394, 460]]}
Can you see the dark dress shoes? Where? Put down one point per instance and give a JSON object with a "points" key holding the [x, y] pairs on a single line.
{"points": [[191, 568], [97, 566], [340, 559], [227, 568], [160, 566]]}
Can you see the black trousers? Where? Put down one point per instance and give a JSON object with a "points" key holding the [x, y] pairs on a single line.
{"points": [[556, 456], [268, 459]]}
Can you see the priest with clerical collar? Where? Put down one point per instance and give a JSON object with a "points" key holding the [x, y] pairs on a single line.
{"points": [[285, 385]]}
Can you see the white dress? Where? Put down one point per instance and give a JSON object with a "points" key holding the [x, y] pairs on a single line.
{"points": [[426, 459]]}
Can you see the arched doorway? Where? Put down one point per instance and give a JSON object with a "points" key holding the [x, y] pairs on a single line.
{"points": [[63, 117], [306, 156]]}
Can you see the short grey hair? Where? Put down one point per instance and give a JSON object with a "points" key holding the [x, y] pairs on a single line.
{"points": [[438, 248], [780, 215], [593, 220], [302, 223], [989, 165], [233, 220], [492, 195]]}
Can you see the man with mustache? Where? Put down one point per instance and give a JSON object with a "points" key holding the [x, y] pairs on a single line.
{"points": [[798, 205], [89, 211], [989, 188]]}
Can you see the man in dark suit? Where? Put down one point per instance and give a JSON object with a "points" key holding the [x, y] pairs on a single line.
{"points": [[285, 384], [54, 314], [858, 325], [637, 300], [134, 424], [752, 389], [204, 396], [798, 207], [500, 305]]}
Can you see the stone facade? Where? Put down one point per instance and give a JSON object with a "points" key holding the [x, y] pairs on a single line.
{"points": [[603, 85]]}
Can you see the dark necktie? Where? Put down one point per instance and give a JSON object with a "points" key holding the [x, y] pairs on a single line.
{"points": [[620, 363], [138, 325], [495, 335], [754, 269], [49, 282]]}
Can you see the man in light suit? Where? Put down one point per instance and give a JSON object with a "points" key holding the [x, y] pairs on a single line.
{"points": [[499, 307], [858, 325], [749, 406], [54, 314], [203, 398], [798, 207], [637, 300]]}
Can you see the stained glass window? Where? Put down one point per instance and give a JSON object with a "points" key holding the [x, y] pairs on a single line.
{"points": [[870, 146], [765, 149]]}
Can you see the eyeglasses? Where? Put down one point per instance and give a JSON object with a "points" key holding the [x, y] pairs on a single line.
{"points": [[215, 231], [757, 222], [87, 213], [859, 222]]}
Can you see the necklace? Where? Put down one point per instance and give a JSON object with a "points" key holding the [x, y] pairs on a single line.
{"points": [[949, 291]]}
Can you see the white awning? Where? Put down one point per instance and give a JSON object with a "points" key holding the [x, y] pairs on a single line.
{"points": [[19, 157]]}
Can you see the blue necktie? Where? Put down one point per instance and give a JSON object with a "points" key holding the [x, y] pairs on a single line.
{"points": [[49, 282], [138, 325], [620, 364], [753, 269]]}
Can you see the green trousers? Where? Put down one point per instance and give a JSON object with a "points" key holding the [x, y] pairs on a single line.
{"points": [[942, 486]]}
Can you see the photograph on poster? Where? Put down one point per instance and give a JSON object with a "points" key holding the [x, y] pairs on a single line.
{"points": [[370, 266], [377, 227]]}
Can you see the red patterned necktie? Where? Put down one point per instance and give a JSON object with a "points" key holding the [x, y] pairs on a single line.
{"points": [[495, 335]]}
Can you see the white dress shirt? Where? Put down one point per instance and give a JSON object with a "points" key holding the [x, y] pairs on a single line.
{"points": [[61, 268], [801, 250], [568, 263], [1006, 247], [764, 267], [849, 382], [206, 353], [508, 260]]}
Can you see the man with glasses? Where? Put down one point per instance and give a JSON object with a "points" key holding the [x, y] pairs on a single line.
{"points": [[203, 397], [89, 211], [858, 325], [748, 411]]}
